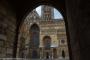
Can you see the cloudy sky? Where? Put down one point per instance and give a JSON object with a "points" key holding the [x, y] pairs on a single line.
{"points": [[57, 14]]}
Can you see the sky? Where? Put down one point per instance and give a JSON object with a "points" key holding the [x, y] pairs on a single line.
{"points": [[57, 14]]}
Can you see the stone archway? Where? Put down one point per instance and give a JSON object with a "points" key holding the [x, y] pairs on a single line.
{"points": [[73, 41], [24, 13], [76, 9]]}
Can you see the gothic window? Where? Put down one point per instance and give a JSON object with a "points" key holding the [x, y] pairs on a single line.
{"points": [[34, 36]]}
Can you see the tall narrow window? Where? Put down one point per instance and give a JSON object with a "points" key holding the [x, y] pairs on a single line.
{"points": [[34, 36], [34, 40]]}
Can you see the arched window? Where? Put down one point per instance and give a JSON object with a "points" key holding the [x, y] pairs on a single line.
{"points": [[47, 42], [34, 36], [34, 40]]}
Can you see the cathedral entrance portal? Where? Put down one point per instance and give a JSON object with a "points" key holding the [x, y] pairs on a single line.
{"points": [[54, 53], [47, 55], [34, 54], [47, 46]]}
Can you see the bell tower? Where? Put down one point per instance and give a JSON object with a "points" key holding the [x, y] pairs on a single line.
{"points": [[47, 12]]}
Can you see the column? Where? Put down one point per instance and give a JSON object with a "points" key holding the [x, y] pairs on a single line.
{"points": [[58, 53], [41, 53], [52, 53]]}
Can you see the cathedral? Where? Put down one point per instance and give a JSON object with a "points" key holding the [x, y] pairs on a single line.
{"points": [[42, 37], [27, 35]]}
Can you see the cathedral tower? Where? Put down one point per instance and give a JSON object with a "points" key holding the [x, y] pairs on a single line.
{"points": [[47, 12]]}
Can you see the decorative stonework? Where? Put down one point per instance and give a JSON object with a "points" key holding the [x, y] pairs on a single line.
{"points": [[48, 27]]}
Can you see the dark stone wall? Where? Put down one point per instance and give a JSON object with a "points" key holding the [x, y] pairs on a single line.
{"points": [[72, 18], [79, 28], [7, 29], [84, 29]]}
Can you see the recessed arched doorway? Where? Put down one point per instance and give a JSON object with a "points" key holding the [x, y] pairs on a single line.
{"points": [[47, 46], [63, 53]]}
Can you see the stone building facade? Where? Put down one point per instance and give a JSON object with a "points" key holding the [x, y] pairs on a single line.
{"points": [[42, 37]]}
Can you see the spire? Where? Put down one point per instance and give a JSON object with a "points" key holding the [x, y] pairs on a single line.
{"points": [[47, 12]]}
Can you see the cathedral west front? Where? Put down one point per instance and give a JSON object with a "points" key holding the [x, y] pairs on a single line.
{"points": [[27, 35], [42, 37]]}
